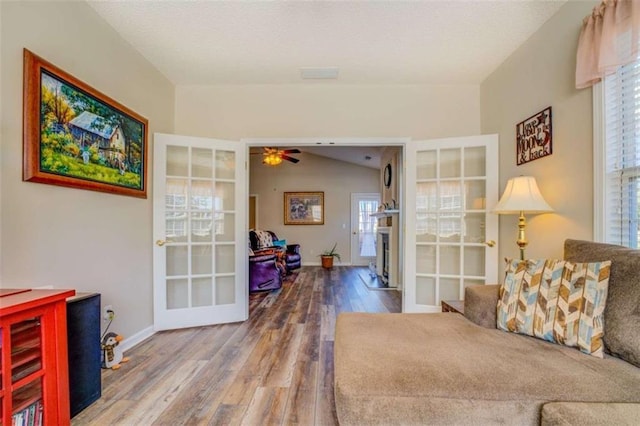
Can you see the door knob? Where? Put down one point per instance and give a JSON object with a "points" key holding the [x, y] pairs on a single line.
{"points": [[354, 232], [160, 243], [490, 243]]}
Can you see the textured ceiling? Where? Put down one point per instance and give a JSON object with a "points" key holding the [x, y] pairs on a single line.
{"points": [[371, 42]]}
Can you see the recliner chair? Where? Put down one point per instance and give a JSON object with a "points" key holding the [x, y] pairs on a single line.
{"points": [[264, 272], [265, 239]]}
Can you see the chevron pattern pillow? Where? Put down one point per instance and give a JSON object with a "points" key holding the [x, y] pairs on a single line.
{"points": [[555, 300]]}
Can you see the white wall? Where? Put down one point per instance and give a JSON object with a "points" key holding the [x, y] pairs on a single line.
{"points": [[542, 73], [72, 238], [337, 179], [333, 110]]}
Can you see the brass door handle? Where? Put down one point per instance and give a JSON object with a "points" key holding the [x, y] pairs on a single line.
{"points": [[490, 243], [160, 243]]}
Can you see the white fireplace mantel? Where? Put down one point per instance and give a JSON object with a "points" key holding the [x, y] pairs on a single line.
{"points": [[384, 213]]}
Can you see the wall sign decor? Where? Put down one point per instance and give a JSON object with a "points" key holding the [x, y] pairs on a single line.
{"points": [[75, 136], [533, 137], [304, 208]]}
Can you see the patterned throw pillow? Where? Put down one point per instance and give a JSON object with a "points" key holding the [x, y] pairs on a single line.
{"points": [[264, 239], [280, 243], [555, 300]]}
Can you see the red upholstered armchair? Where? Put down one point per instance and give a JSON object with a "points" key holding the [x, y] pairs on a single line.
{"points": [[266, 239]]}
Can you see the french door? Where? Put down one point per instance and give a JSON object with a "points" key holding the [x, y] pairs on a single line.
{"points": [[452, 184], [363, 227], [199, 217]]}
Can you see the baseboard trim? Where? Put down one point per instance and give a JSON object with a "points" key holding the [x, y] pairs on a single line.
{"points": [[320, 264], [137, 338]]}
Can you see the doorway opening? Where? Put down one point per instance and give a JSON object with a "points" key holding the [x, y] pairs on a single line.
{"points": [[319, 168]]}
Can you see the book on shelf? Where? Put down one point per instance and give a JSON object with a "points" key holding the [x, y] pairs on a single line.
{"points": [[30, 416]]}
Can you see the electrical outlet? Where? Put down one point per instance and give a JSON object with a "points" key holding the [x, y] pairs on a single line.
{"points": [[108, 313]]}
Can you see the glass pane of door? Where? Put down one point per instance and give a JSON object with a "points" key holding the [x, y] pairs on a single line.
{"points": [[367, 227], [364, 228]]}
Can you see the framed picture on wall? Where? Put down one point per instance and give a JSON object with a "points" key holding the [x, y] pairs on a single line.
{"points": [[304, 208], [78, 137]]}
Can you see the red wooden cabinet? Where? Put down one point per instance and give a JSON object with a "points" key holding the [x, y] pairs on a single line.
{"points": [[34, 383]]}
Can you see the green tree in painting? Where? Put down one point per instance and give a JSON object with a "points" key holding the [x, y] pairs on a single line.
{"points": [[54, 108]]}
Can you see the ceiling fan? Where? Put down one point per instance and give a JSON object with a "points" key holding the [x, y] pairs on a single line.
{"points": [[274, 156]]}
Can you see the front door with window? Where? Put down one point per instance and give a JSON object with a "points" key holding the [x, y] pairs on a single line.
{"points": [[363, 227], [199, 228]]}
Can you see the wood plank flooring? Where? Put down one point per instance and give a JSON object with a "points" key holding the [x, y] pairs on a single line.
{"points": [[276, 368]]}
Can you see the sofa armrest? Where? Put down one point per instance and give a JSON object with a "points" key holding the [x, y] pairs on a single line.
{"points": [[589, 413], [262, 257], [293, 248], [480, 302]]}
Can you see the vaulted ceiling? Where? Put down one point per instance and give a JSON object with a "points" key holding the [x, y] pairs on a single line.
{"points": [[370, 42]]}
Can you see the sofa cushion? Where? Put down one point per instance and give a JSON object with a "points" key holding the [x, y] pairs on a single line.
{"points": [[443, 369], [622, 313], [555, 300], [589, 413]]}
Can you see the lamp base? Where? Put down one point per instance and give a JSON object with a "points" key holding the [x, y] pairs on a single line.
{"points": [[522, 240]]}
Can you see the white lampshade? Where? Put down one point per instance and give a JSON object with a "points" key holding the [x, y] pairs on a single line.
{"points": [[522, 195]]}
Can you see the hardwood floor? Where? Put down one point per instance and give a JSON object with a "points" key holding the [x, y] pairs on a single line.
{"points": [[275, 368]]}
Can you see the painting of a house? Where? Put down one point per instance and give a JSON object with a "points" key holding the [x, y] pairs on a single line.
{"points": [[83, 135], [91, 130]]}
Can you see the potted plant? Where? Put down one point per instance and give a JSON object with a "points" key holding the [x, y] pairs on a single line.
{"points": [[328, 255]]}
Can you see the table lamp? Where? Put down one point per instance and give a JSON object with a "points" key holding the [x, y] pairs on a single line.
{"points": [[519, 197]]}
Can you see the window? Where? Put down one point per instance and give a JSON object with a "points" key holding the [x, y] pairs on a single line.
{"points": [[617, 157]]}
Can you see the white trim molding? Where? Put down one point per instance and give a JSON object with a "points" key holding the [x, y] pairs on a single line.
{"points": [[599, 164], [137, 338]]}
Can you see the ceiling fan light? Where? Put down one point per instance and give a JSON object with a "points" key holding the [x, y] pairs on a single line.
{"points": [[272, 160]]}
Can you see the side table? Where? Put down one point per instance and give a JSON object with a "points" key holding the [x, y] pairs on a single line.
{"points": [[456, 306]]}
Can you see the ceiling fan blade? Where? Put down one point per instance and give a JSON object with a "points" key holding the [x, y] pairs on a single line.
{"points": [[291, 151], [286, 157]]}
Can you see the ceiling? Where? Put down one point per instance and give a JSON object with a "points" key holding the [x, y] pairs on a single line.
{"points": [[370, 42], [205, 42]]}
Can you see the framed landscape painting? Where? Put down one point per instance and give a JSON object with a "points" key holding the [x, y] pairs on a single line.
{"points": [[304, 208], [75, 136]]}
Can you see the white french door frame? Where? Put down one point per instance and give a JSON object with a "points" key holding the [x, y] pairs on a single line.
{"points": [[490, 142], [188, 313]]}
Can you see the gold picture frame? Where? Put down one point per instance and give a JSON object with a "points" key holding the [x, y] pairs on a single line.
{"points": [[304, 208], [77, 137]]}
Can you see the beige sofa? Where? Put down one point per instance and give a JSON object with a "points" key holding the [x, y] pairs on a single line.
{"points": [[446, 368]]}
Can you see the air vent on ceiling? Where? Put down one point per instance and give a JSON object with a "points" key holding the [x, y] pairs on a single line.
{"points": [[319, 73]]}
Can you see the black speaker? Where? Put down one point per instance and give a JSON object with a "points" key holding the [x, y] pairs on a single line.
{"points": [[83, 334]]}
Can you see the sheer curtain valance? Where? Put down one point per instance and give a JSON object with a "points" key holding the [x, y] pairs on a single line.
{"points": [[609, 39]]}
